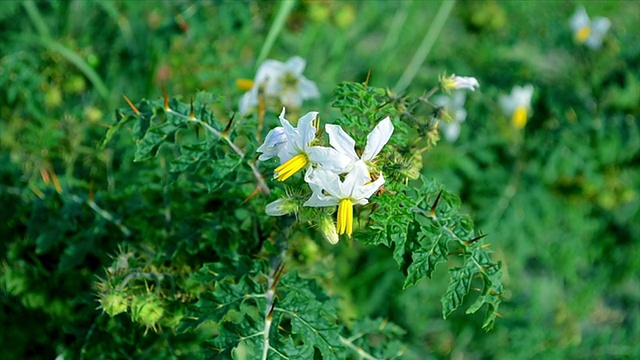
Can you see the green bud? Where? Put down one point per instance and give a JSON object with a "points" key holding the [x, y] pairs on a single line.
{"points": [[147, 310], [281, 207], [114, 303], [328, 229]]}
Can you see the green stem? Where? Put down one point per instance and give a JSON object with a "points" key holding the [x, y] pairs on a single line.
{"points": [[36, 18], [277, 26], [425, 47]]}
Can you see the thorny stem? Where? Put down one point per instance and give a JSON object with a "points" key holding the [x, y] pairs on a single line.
{"points": [[256, 173], [276, 261]]}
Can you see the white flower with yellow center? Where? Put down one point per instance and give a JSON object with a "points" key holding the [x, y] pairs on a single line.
{"points": [[345, 145], [293, 147], [453, 114], [517, 105], [450, 83], [280, 81], [589, 32], [329, 190]]}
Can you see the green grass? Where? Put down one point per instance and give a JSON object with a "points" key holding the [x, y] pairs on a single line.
{"points": [[559, 199]]}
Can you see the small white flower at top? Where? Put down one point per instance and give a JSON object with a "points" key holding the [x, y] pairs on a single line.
{"points": [[587, 31], [517, 105], [329, 190], [450, 83], [345, 145], [279, 82], [452, 112], [294, 148]]}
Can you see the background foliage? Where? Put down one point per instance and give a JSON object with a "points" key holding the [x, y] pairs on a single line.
{"points": [[559, 200]]}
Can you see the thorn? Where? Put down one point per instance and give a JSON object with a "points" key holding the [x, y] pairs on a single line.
{"points": [[366, 82], [133, 107], [192, 115], [432, 212], [91, 192], [469, 242], [498, 314], [166, 99], [37, 191], [254, 193], [278, 274], [56, 183], [484, 246], [225, 132], [45, 176]]}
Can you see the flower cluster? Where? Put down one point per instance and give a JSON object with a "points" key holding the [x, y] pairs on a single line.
{"points": [[336, 175], [279, 83]]}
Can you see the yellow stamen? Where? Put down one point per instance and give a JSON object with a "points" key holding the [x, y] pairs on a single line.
{"points": [[292, 166], [244, 84], [345, 217], [519, 118], [583, 34]]}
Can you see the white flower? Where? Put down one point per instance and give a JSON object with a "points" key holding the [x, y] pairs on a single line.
{"points": [[449, 83], [356, 189], [589, 32], [281, 81], [293, 147], [453, 112], [517, 105], [345, 145]]}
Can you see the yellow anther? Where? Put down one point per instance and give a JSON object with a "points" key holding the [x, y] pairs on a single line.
{"points": [[519, 117], [292, 166], [345, 217], [583, 34]]}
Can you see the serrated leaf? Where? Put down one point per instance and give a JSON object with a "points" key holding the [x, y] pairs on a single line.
{"points": [[312, 314], [425, 259], [459, 284]]}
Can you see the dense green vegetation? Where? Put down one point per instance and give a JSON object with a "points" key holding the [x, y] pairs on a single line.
{"points": [[124, 227]]}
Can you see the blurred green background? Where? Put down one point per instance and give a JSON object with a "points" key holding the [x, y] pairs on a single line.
{"points": [[559, 199]]}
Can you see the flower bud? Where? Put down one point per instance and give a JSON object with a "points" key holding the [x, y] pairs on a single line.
{"points": [[281, 207], [328, 229]]}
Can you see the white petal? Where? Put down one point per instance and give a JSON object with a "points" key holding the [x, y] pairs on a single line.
{"points": [[305, 128], [295, 65], [316, 201], [341, 141], [600, 26], [451, 131], [465, 82], [248, 101], [377, 139], [507, 104], [273, 143], [290, 98], [329, 159], [357, 177], [325, 180], [307, 89], [579, 19], [365, 191]]}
